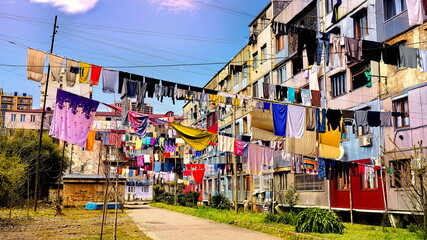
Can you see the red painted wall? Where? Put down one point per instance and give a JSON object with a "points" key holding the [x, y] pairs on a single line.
{"points": [[362, 199]]}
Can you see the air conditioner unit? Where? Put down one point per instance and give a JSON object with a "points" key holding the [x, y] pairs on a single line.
{"points": [[365, 141]]}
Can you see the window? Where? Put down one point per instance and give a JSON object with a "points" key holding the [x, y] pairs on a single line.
{"points": [[281, 74], [360, 24], [338, 84], [257, 88], [393, 7], [22, 117], [13, 118], [401, 176], [297, 65], [343, 182], [236, 78], [245, 124], [247, 183], [145, 189], [267, 78], [255, 59], [32, 118], [360, 73], [308, 182], [369, 179], [401, 105], [280, 43], [280, 181], [263, 53], [257, 182]]}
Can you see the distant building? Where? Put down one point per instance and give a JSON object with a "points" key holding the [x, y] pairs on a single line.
{"points": [[14, 102], [145, 108]]}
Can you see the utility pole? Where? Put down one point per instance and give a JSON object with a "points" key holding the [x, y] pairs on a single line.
{"points": [[234, 160], [37, 180]]}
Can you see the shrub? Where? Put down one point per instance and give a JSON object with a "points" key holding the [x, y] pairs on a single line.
{"points": [[188, 199], [285, 218], [220, 201], [319, 221]]}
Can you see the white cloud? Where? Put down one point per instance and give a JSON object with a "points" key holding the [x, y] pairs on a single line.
{"points": [[176, 6], [70, 6]]}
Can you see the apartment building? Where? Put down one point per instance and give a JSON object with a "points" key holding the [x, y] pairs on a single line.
{"points": [[282, 56], [14, 102]]}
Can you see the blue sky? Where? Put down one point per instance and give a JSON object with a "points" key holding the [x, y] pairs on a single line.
{"points": [[121, 34]]}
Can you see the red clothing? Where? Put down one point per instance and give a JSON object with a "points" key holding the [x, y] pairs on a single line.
{"points": [[94, 75]]}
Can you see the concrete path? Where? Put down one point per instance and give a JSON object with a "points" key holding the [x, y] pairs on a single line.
{"points": [[167, 225]]}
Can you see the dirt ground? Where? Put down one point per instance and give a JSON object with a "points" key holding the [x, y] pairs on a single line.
{"points": [[77, 223]]}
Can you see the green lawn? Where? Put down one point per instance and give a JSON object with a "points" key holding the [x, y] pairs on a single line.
{"points": [[254, 221], [77, 223]]}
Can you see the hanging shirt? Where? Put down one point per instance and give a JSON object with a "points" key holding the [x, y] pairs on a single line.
{"points": [[334, 118], [239, 147], [423, 58], [374, 119], [353, 49], [197, 139], [35, 64], [109, 80], [361, 118], [280, 113], [372, 50], [385, 118], [310, 119], [95, 73], [90, 140], [408, 57], [84, 72], [306, 97], [291, 94], [296, 122], [313, 82], [391, 54], [71, 67]]}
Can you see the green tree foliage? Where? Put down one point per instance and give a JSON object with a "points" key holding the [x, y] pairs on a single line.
{"points": [[319, 221], [12, 173], [22, 146]]}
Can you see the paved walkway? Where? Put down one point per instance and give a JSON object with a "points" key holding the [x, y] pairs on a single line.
{"points": [[167, 225]]}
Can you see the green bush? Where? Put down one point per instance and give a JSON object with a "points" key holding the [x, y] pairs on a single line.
{"points": [[220, 201], [188, 199], [285, 218], [319, 221]]}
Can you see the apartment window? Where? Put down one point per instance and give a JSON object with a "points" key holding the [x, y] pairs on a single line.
{"points": [[280, 42], [360, 74], [245, 125], [145, 189], [401, 176], [13, 118], [401, 105], [338, 84], [281, 74], [308, 182], [257, 88], [22, 117], [267, 78], [255, 59], [370, 180], [236, 78], [247, 183], [280, 181], [4, 106], [361, 24], [343, 182], [32, 118], [257, 182], [393, 8], [263, 53]]}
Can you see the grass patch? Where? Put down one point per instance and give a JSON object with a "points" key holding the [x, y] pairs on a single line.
{"points": [[255, 221], [77, 223]]}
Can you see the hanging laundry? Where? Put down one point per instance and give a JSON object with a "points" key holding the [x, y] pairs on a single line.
{"points": [[109, 80], [56, 63], [321, 168], [291, 94], [315, 98], [90, 141], [115, 139], [385, 118], [361, 118], [391, 54], [198, 176], [338, 48], [157, 166], [313, 82], [334, 117], [257, 157], [353, 50], [84, 72], [262, 119], [305, 145], [329, 143], [335, 10], [69, 123], [95, 73], [310, 119], [306, 97], [416, 14], [408, 57], [372, 50], [151, 86], [122, 77], [373, 119], [296, 122], [72, 69], [239, 147], [320, 120], [322, 45], [225, 144], [280, 113], [35, 64], [307, 40]]}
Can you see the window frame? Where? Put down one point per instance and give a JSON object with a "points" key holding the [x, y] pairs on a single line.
{"points": [[365, 182], [402, 100], [365, 66], [22, 117], [340, 90], [308, 182], [263, 56], [255, 60], [389, 15], [281, 74], [360, 19], [13, 117]]}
